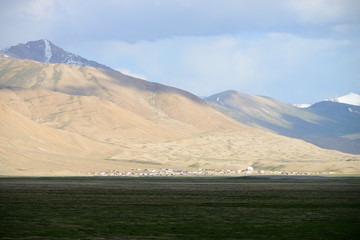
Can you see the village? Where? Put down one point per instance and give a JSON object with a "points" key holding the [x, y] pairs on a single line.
{"points": [[199, 172]]}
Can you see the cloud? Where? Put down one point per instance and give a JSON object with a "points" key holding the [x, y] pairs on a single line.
{"points": [[326, 11], [131, 74], [150, 20], [25, 20], [205, 46], [40, 9], [265, 64]]}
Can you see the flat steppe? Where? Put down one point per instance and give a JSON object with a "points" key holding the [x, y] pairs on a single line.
{"points": [[180, 208]]}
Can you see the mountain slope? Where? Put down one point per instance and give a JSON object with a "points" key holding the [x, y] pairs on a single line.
{"points": [[46, 52], [27, 146], [3, 55], [342, 118], [139, 124], [149, 101], [323, 124], [258, 111]]}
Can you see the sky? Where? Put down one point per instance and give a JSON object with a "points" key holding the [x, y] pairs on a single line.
{"points": [[296, 51]]}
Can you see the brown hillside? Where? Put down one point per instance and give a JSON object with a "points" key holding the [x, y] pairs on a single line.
{"points": [[29, 147], [95, 119]]}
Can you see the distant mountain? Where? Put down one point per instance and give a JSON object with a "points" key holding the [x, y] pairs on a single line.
{"points": [[325, 124], [46, 52], [351, 98], [342, 128], [263, 112], [346, 114]]}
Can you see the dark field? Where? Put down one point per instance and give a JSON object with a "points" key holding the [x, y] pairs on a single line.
{"points": [[179, 208]]}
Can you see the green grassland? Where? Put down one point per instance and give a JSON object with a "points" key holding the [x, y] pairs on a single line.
{"points": [[179, 208]]}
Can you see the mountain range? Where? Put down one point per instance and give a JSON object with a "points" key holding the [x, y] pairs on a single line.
{"points": [[327, 124], [351, 99], [62, 119]]}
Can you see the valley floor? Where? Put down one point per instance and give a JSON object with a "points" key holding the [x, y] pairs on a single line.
{"points": [[180, 208], [201, 172]]}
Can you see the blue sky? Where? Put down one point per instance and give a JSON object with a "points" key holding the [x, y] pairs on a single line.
{"points": [[297, 51]]}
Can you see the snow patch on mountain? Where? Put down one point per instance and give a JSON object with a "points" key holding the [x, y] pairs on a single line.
{"points": [[47, 51], [265, 110], [305, 105], [353, 111], [71, 59], [351, 98]]}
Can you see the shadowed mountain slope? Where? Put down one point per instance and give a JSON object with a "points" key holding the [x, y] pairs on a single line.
{"points": [[156, 103], [46, 52], [324, 124]]}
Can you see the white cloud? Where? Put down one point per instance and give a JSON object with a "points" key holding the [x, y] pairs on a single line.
{"points": [[131, 74], [284, 66], [203, 46], [222, 61], [326, 11], [66, 21], [40, 9]]}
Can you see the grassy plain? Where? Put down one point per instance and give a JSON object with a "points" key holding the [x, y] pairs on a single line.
{"points": [[179, 208]]}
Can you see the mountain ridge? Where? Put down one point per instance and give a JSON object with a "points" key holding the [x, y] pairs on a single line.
{"points": [[324, 124], [135, 124], [350, 98], [45, 51]]}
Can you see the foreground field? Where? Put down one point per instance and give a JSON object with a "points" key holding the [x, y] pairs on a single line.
{"points": [[180, 208]]}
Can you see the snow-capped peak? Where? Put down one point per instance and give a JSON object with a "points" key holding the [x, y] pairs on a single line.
{"points": [[351, 98], [45, 51]]}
